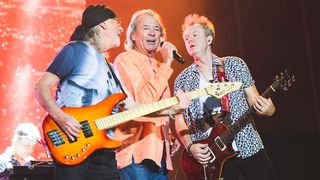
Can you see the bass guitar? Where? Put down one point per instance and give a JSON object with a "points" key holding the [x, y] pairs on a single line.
{"points": [[221, 137], [97, 118]]}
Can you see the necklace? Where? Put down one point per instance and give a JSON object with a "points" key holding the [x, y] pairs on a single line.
{"points": [[210, 81], [153, 63]]}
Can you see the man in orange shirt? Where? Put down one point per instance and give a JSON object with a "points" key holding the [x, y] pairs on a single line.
{"points": [[145, 151]]}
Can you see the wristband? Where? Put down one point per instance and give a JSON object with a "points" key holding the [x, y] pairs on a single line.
{"points": [[171, 115], [189, 147]]}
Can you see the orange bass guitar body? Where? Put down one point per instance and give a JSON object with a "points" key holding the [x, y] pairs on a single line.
{"points": [[69, 152]]}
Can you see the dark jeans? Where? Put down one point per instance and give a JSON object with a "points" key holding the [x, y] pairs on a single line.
{"points": [[147, 170], [100, 165], [256, 167]]}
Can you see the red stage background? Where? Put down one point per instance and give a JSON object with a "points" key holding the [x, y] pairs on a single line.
{"points": [[31, 33]]}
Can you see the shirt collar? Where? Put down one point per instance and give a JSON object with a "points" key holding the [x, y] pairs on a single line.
{"points": [[215, 61]]}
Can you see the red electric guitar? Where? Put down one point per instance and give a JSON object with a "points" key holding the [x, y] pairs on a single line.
{"points": [[221, 138], [95, 119]]}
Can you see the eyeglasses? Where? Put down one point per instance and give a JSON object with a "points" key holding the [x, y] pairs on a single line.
{"points": [[118, 20]]}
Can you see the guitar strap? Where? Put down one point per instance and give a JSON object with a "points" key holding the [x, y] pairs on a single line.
{"points": [[225, 105], [115, 77]]}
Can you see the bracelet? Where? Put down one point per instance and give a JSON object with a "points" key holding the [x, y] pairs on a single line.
{"points": [[171, 115], [189, 147]]}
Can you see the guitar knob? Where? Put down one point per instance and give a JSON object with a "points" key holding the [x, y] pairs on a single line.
{"points": [[72, 157], [66, 156], [78, 155], [83, 149], [88, 144]]}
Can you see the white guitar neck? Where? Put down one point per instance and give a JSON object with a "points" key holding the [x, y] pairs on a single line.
{"points": [[218, 89]]}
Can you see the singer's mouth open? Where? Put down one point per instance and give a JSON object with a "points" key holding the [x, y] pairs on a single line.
{"points": [[151, 42]]}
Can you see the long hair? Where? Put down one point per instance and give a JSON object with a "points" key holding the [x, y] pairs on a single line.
{"points": [[92, 36], [129, 43]]}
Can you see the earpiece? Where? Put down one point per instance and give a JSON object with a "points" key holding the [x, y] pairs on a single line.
{"points": [[209, 39]]}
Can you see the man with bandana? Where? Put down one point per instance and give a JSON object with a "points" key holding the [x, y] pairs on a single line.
{"points": [[84, 78]]}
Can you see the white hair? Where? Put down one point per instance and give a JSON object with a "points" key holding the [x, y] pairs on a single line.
{"points": [[129, 43], [26, 131]]}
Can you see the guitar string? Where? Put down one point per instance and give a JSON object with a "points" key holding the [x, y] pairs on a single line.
{"points": [[91, 122], [240, 122]]}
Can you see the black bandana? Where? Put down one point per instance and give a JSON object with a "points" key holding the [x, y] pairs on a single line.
{"points": [[92, 16]]}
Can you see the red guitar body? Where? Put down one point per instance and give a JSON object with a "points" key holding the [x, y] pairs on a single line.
{"points": [[193, 170]]}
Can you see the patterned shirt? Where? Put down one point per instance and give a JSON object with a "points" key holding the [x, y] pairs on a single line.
{"points": [[248, 140]]}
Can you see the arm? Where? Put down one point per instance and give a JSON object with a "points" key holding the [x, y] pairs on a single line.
{"points": [[263, 106], [43, 93]]}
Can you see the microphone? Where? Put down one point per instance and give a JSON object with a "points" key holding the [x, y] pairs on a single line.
{"points": [[176, 55]]}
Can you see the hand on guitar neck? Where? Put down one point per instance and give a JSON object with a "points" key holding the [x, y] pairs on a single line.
{"points": [[263, 106]]}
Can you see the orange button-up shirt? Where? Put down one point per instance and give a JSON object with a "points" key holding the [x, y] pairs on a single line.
{"points": [[145, 137]]}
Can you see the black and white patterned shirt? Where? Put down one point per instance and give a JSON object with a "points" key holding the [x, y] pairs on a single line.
{"points": [[248, 141]]}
